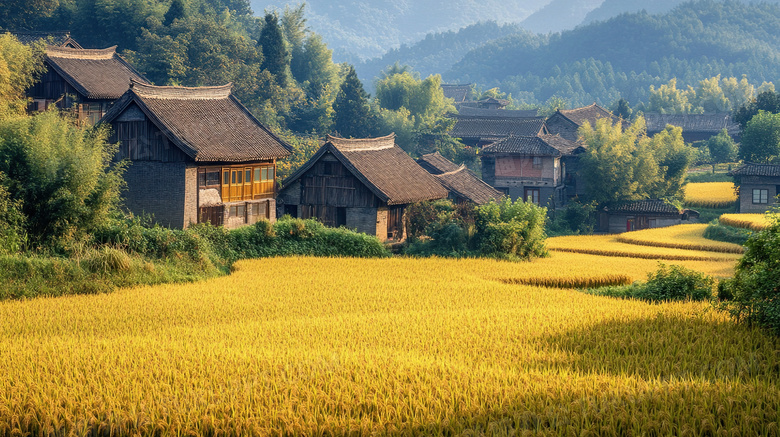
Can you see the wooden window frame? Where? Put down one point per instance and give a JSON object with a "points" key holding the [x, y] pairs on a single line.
{"points": [[763, 196]]}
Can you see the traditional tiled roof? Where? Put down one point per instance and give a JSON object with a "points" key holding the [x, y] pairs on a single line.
{"points": [[465, 184], [542, 145], [468, 111], [207, 123], [96, 74], [58, 39], [434, 163], [392, 175], [650, 206], [456, 92], [493, 100], [710, 123], [589, 113], [458, 179], [497, 127], [750, 169]]}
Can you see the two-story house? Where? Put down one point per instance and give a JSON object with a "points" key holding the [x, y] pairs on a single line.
{"points": [[529, 168], [197, 155]]}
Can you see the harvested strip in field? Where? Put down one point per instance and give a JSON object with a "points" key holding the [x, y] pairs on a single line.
{"points": [[710, 194], [754, 222], [689, 236], [608, 245], [571, 282]]}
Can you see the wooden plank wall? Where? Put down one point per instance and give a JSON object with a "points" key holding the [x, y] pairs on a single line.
{"points": [[142, 141], [330, 183]]}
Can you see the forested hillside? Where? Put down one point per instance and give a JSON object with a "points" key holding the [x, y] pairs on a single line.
{"points": [[438, 52], [363, 29], [624, 56]]}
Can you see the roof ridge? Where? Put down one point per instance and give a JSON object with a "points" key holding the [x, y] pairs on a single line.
{"points": [[361, 144], [69, 53], [181, 93], [447, 173]]}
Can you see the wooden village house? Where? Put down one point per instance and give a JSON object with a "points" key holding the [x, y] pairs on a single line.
{"points": [[87, 81], [363, 184], [197, 155], [643, 214], [758, 185], [463, 184], [530, 168], [566, 122]]}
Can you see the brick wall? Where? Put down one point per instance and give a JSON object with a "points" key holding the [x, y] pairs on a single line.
{"points": [[190, 195], [160, 189], [363, 220]]}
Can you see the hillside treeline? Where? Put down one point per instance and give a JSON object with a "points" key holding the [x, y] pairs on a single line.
{"points": [[624, 56]]}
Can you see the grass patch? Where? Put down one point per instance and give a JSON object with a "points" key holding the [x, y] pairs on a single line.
{"points": [[668, 283], [719, 232]]}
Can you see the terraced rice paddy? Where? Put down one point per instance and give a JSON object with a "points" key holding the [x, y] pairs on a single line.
{"points": [[313, 346], [710, 194], [689, 236], [754, 222]]}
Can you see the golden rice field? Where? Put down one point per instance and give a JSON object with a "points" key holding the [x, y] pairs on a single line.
{"points": [[710, 194], [313, 346], [688, 236], [755, 222]]}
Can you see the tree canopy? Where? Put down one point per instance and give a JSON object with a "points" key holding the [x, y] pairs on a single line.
{"points": [[625, 164], [761, 138]]}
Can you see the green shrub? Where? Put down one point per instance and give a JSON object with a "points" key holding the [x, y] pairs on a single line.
{"points": [[752, 296], [718, 232], [507, 229], [573, 219], [668, 283]]}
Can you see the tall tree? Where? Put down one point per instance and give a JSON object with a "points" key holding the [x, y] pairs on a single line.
{"points": [[20, 66], [353, 117], [768, 101], [761, 138], [274, 49], [175, 12]]}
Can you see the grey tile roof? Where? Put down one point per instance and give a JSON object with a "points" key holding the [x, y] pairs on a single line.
{"points": [[391, 174], [750, 169], [207, 123], [457, 92], [650, 206], [458, 179], [710, 123], [542, 145], [54, 38], [95, 74], [589, 113], [497, 127], [434, 163], [468, 111]]}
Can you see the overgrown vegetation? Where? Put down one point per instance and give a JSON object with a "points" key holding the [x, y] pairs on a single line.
{"points": [[753, 295], [500, 229], [720, 232], [668, 283]]}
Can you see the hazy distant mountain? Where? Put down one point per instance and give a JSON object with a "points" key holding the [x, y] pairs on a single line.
{"points": [[362, 29], [560, 15], [621, 57], [437, 52], [611, 8]]}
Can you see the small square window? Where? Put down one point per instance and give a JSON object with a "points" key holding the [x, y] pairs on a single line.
{"points": [[226, 178], [537, 162], [257, 174], [760, 196]]}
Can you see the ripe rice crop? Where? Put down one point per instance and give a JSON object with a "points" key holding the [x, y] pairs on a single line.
{"points": [[710, 194], [754, 222], [313, 346], [688, 236], [608, 245]]}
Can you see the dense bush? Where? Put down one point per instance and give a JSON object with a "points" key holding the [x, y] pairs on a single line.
{"points": [[753, 295], [503, 229], [729, 234], [574, 218], [668, 283]]}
